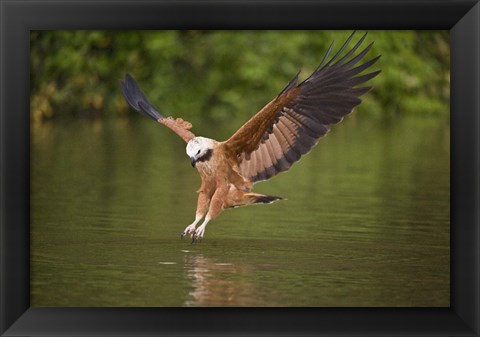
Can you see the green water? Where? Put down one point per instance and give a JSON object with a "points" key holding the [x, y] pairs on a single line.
{"points": [[366, 222]]}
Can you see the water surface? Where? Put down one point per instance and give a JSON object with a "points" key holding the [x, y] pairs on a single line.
{"points": [[366, 222]]}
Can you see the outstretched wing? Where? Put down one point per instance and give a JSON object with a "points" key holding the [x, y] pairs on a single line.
{"points": [[292, 123], [137, 100]]}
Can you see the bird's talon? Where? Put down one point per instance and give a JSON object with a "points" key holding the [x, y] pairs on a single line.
{"points": [[190, 230], [196, 239]]}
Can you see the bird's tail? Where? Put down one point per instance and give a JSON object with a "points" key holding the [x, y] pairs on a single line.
{"points": [[256, 198]]}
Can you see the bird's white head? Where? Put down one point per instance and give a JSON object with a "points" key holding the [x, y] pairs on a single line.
{"points": [[199, 149]]}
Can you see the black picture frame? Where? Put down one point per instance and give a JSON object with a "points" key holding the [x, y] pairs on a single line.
{"points": [[18, 17]]}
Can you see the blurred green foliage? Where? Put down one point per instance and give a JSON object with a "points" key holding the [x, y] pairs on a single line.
{"points": [[224, 74]]}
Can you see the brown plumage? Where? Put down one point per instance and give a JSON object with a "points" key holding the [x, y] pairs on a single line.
{"points": [[273, 139]]}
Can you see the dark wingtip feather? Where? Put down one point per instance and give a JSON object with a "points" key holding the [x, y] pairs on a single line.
{"points": [[137, 99], [290, 85], [326, 55], [347, 42], [324, 65]]}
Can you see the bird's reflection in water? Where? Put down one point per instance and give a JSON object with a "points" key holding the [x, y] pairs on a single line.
{"points": [[219, 283]]}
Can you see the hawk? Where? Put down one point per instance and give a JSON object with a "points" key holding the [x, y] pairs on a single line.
{"points": [[270, 142]]}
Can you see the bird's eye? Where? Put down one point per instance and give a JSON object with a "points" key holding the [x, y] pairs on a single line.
{"points": [[198, 152]]}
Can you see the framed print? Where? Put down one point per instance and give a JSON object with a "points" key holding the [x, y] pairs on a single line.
{"points": [[90, 237]]}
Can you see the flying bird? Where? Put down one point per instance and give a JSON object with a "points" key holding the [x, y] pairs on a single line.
{"points": [[272, 140]]}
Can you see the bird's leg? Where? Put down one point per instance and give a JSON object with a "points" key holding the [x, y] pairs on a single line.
{"points": [[191, 228], [200, 231], [216, 207], [202, 204]]}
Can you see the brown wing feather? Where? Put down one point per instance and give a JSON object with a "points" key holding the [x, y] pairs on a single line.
{"points": [[291, 124], [248, 137], [179, 126], [139, 102]]}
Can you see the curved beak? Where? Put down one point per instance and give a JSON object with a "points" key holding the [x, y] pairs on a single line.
{"points": [[193, 161]]}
